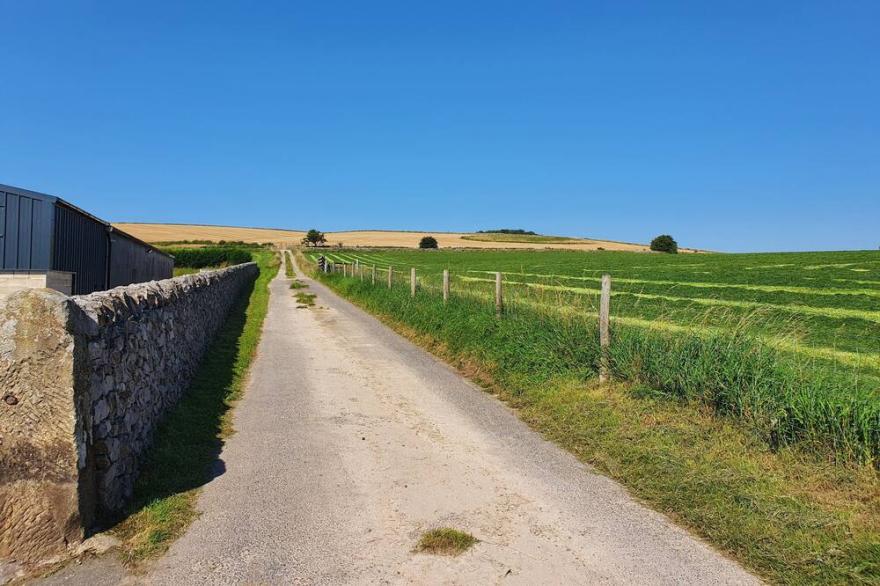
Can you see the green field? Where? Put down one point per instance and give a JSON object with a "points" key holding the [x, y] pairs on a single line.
{"points": [[822, 304]]}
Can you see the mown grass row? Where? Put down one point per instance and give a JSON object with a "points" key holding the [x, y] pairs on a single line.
{"points": [[770, 460]]}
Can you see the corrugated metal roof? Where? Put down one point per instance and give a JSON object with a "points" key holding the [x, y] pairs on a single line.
{"points": [[67, 204]]}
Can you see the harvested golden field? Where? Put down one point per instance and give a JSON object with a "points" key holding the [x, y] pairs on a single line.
{"points": [[366, 238]]}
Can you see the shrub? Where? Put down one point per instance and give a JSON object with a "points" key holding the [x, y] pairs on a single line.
{"points": [[428, 242], [209, 256], [664, 243]]}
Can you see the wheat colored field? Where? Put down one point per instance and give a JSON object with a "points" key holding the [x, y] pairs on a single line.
{"points": [[378, 238]]}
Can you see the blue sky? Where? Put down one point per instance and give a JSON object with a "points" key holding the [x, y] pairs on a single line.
{"points": [[731, 125]]}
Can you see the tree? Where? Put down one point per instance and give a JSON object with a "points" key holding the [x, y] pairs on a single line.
{"points": [[314, 238], [428, 242], [664, 243]]}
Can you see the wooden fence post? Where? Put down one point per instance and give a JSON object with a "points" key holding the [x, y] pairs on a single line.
{"points": [[344, 270], [361, 271], [445, 285], [499, 302], [604, 334], [374, 275], [412, 282]]}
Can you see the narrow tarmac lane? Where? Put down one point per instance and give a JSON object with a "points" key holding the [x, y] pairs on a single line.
{"points": [[351, 442]]}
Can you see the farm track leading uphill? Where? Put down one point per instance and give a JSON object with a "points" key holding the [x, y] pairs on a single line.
{"points": [[351, 442]]}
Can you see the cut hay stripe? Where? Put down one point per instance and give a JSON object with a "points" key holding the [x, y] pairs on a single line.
{"points": [[833, 312], [704, 285], [852, 359]]}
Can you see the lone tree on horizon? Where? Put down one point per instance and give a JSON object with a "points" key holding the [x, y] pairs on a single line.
{"points": [[664, 243], [314, 238], [428, 242]]}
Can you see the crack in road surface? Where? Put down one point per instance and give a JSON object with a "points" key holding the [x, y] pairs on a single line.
{"points": [[351, 442]]}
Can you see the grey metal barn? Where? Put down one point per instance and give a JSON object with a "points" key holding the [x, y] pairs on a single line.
{"points": [[42, 233]]}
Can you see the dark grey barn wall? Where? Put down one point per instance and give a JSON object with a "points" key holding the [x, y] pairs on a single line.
{"points": [[131, 262], [25, 232], [80, 247]]}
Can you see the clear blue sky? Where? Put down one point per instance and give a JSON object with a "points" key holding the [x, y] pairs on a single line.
{"points": [[731, 125]]}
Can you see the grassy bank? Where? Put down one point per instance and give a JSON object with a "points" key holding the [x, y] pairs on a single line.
{"points": [[717, 432], [187, 443]]}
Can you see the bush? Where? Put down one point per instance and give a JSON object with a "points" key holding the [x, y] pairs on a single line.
{"points": [[428, 242], [209, 256], [664, 243]]}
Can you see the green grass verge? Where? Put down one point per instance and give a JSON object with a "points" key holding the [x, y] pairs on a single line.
{"points": [[716, 433], [305, 299], [189, 440]]}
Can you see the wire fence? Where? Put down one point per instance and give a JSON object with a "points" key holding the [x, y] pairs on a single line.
{"points": [[506, 296]]}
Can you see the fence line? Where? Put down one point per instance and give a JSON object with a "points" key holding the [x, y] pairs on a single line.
{"points": [[356, 269]]}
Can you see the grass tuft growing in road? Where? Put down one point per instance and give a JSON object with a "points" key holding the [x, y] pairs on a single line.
{"points": [[184, 453], [445, 541], [305, 299]]}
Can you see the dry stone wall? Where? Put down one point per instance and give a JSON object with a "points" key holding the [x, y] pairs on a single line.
{"points": [[84, 382]]}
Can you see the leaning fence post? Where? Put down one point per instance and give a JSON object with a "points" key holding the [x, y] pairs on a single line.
{"points": [[445, 285], [374, 275], [412, 282], [499, 302], [604, 334], [390, 271]]}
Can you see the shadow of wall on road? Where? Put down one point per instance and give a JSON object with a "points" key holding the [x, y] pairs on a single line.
{"points": [[187, 444]]}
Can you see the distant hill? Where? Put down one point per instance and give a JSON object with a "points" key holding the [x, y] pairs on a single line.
{"points": [[379, 238]]}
